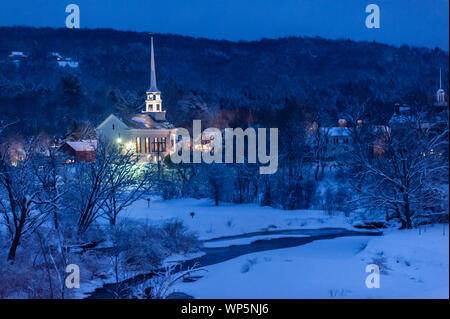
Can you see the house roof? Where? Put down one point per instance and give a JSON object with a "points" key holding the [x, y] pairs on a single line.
{"points": [[83, 146], [17, 54], [336, 131]]}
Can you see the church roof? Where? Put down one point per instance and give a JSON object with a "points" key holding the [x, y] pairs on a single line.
{"points": [[145, 121]]}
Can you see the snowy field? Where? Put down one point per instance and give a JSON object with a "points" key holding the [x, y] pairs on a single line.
{"points": [[412, 265], [228, 219]]}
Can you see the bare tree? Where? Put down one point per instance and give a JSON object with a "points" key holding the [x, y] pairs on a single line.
{"points": [[47, 168], [108, 184], [23, 205], [405, 177], [185, 172], [128, 184], [319, 148]]}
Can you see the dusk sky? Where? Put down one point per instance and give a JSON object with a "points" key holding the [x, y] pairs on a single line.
{"points": [[412, 22]]}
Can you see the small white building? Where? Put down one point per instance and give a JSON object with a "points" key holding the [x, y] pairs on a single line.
{"points": [[64, 61], [16, 57]]}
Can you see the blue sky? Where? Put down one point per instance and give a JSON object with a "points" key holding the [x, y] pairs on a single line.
{"points": [[413, 22]]}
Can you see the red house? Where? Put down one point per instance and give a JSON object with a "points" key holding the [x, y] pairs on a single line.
{"points": [[80, 150]]}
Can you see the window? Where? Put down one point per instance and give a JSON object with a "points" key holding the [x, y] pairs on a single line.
{"points": [[147, 145], [154, 97], [157, 107], [155, 144], [113, 127], [159, 144], [138, 144]]}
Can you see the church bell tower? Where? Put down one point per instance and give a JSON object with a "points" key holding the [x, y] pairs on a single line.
{"points": [[153, 101], [440, 94]]}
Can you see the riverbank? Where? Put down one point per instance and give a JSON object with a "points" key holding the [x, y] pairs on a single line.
{"points": [[411, 265]]}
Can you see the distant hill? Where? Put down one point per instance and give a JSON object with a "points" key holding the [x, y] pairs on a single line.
{"points": [[113, 73]]}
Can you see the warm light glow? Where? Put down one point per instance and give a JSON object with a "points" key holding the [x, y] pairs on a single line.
{"points": [[119, 140], [129, 146]]}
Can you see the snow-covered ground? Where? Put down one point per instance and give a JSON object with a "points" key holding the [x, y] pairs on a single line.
{"points": [[228, 219], [412, 266]]}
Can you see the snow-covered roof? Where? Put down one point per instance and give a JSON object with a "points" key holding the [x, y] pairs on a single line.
{"points": [[139, 119], [17, 54], [83, 146], [145, 121], [68, 62], [404, 108], [336, 131]]}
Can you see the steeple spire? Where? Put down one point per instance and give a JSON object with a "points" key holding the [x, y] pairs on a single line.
{"points": [[440, 78], [153, 102], [153, 87]]}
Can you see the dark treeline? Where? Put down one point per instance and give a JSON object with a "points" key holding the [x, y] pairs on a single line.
{"points": [[202, 78]]}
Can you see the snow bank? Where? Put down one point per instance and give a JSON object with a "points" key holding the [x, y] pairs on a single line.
{"points": [[228, 219], [413, 266]]}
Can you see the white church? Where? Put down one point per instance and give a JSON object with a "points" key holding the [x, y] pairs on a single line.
{"points": [[147, 134]]}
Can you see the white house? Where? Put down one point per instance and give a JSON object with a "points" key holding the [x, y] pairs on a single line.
{"points": [[64, 61], [16, 57]]}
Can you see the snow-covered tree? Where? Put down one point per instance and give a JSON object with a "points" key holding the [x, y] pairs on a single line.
{"points": [[105, 186], [24, 206], [405, 177]]}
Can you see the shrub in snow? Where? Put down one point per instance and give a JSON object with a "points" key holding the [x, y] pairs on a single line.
{"points": [[250, 262], [178, 238]]}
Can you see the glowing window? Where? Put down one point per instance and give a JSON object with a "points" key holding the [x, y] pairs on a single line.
{"points": [[138, 144], [147, 145]]}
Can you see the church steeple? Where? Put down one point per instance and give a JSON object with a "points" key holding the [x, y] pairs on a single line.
{"points": [[440, 94], [153, 102], [153, 87]]}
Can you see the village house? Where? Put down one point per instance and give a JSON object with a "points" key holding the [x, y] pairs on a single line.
{"points": [[64, 61], [83, 150], [432, 118], [17, 57]]}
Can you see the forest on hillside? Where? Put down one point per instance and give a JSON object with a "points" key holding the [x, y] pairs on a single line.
{"points": [[223, 82]]}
